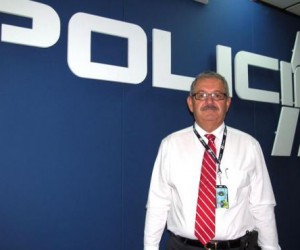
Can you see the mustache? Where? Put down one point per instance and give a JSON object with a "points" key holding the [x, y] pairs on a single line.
{"points": [[209, 107]]}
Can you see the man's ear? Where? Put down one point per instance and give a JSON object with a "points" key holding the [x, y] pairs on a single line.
{"points": [[228, 102], [189, 101]]}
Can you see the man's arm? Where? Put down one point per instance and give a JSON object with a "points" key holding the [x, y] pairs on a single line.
{"points": [[154, 227], [158, 204], [266, 226], [262, 202]]}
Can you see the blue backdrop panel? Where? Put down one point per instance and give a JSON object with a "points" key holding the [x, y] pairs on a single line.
{"points": [[77, 154]]}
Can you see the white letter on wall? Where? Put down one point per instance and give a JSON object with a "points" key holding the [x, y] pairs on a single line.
{"points": [[242, 60], [45, 29], [224, 65], [162, 76], [286, 81], [82, 25], [286, 131]]}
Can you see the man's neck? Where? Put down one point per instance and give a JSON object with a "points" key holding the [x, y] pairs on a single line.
{"points": [[209, 128]]}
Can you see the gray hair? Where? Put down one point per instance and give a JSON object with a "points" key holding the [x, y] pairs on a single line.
{"points": [[209, 74]]}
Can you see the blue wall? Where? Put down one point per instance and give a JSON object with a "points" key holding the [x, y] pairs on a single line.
{"points": [[76, 154]]}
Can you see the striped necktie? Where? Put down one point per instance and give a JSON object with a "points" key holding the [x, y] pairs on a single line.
{"points": [[206, 204]]}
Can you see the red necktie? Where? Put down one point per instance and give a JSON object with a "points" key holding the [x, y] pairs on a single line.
{"points": [[206, 204]]}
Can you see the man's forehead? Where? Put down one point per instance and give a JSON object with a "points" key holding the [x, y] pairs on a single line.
{"points": [[209, 83]]}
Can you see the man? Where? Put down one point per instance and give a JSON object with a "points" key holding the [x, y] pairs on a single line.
{"points": [[242, 201]]}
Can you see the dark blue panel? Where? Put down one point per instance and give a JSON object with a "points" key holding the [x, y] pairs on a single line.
{"points": [[77, 154]]}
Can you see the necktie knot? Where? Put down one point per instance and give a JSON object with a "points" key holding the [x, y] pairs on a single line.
{"points": [[210, 137]]}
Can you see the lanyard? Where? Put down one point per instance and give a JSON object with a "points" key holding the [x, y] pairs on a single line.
{"points": [[218, 160]]}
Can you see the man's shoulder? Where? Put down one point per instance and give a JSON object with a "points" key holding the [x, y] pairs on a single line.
{"points": [[241, 134], [180, 134]]}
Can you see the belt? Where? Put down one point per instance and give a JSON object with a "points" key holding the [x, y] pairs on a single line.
{"points": [[213, 244]]}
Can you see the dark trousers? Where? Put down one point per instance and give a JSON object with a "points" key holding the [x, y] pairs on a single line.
{"points": [[175, 243]]}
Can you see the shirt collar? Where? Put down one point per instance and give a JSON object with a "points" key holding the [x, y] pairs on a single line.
{"points": [[217, 132]]}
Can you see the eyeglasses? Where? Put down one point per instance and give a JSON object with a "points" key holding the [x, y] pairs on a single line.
{"points": [[216, 96]]}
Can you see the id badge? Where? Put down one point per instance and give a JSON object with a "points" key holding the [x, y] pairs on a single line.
{"points": [[222, 196]]}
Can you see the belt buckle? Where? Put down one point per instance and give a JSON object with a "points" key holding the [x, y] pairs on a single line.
{"points": [[214, 243]]}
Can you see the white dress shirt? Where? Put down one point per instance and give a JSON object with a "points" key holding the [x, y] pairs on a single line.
{"points": [[174, 186]]}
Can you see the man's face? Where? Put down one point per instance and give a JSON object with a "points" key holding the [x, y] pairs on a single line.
{"points": [[209, 113]]}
